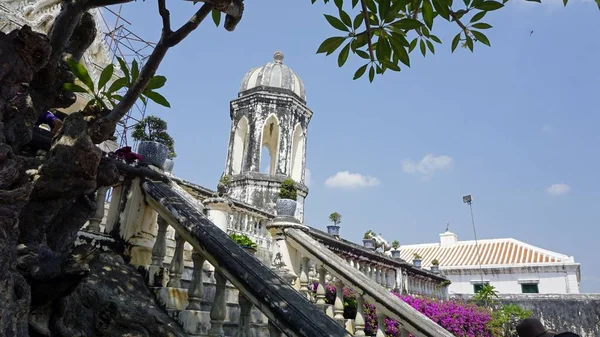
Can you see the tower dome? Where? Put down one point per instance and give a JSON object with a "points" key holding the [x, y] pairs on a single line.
{"points": [[274, 74]]}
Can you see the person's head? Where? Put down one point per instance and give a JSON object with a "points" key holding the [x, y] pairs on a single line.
{"points": [[532, 327]]}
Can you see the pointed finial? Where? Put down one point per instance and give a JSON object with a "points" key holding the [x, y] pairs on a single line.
{"points": [[447, 226], [278, 57]]}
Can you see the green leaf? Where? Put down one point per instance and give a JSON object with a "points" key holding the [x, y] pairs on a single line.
{"points": [[117, 97], [118, 84], [81, 73], [371, 74], [481, 25], [105, 76], [565, 2], [489, 6], [91, 102], [156, 82], [343, 55], [407, 24], [354, 3], [216, 16], [330, 45], [157, 98], [345, 18], [371, 6], [455, 41], [72, 87], [423, 48], [144, 100], [358, 20], [442, 8], [339, 3], [435, 38], [428, 13], [413, 44], [598, 3], [391, 65], [478, 16], [400, 52], [135, 71], [124, 69], [469, 43], [360, 71], [481, 38], [336, 23], [363, 54], [430, 46], [384, 8]]}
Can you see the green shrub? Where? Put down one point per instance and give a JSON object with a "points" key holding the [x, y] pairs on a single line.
{"points": [[288, 190]]}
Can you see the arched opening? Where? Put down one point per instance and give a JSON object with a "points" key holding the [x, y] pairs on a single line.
{"points": [[239, 146], [297, 153], [270, 144]]}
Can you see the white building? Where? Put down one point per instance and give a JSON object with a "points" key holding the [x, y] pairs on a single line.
{"points": [[511, 266]]}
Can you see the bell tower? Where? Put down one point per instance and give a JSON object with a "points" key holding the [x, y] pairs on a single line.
{"points": [[269, 123]]}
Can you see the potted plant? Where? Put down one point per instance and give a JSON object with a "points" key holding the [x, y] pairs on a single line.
{"points": [[155, 144], [245, 242], [286, 204], [417, 260], [395, 251], [336, 219], [368, 241], [435, 266], [223, 185]]}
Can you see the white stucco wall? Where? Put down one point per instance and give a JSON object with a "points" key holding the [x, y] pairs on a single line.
{"points": [[551, 279]]}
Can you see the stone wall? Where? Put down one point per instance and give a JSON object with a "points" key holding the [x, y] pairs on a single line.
{"points": [[579, 313]]}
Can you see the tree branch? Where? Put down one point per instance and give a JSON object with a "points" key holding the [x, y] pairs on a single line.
{"points": [[185, 30], [166, 17], [363, 4], [160, 50], [103, 3]]}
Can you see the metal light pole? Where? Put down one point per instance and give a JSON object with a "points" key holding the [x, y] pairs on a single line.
{"points": [[467, 199]]}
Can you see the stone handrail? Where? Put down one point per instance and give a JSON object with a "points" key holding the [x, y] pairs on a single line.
{"points": [[287, 310], [386, 304]]}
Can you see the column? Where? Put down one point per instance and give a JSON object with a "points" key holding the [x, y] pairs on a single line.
{"points": [[156, 270], [359, 320], [338, 305], [218, 310], [303, 278], [176, 268], [96, 219], [218, 211], [196, 289]]}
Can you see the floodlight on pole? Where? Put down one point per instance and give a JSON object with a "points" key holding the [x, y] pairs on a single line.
{"points": [[467, 199]]}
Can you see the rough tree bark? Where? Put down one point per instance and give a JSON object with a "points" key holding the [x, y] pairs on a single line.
{"points": [[48, 287]]}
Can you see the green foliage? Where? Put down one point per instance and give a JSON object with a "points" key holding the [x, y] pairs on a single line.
{"points": [[225, 179], [504, 320], [417, 256], [154, 129], [243, 240], [395, 244], [486, 296], [288, 190], [103, 95], [336, 218], [435, 262], [369, 235], [383, 33]]}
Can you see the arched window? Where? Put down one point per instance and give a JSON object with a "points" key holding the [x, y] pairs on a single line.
{"points": [[297, 153], [239, 146], [270, 143]]}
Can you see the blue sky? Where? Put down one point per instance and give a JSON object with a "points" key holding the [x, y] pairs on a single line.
{"points": [[515, 125]]}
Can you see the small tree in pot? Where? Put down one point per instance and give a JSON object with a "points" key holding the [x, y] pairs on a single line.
{"points": [[156, 145], [368, 241], [435, 266], [417, 260], [245, 242], [336, 219], [395, 251], [286, 204]]}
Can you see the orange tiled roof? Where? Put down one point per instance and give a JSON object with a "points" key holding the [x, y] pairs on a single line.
{"points": [[493, 252]]}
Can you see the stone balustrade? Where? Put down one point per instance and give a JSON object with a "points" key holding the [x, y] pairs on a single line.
{"points": [[371, 282]]}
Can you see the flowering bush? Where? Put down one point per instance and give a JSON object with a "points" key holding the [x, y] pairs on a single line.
{"points": [[459, 318]]}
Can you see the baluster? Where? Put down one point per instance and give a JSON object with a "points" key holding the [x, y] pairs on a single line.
{"points": [[320, 295], [196, 289], [159, 250], [338, 305], [96, 220], [378, 275], [218, 310], [176, 268], [380, 325], [245, 317], [403, 332], [303, 278], [359, 320]]}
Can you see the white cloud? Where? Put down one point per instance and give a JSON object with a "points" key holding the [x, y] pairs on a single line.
{"points": [[345, 179], [558, 189], [307, 177], [428, 165]]}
